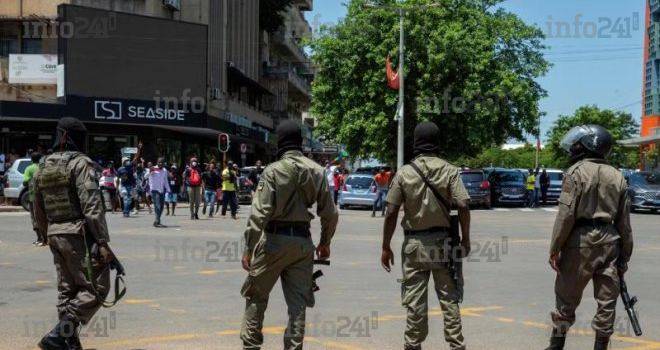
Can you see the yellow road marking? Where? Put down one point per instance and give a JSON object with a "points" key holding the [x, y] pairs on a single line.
{"points": [[536, 325], [215, 272], [506, 320], [138, 301], [41, 282], [335, 345], [7, 263], [151, 340], [178, 311]]}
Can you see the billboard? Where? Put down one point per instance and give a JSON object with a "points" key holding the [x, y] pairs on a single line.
{"points": [[32, 69], [152, 67]]}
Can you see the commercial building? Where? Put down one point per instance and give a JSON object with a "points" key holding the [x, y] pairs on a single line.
{"points": [[172, 74], [649, 140]]}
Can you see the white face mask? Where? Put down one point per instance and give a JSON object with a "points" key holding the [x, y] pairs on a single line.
{"points": [[194, 163]]}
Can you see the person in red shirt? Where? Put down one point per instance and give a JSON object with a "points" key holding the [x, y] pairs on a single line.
{"points": [[337, 181], [382, 183]]}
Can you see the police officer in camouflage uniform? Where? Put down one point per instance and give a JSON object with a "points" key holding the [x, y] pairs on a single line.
{"points": [[425, 250], [592, 238], [68, 206], [278, 242]]}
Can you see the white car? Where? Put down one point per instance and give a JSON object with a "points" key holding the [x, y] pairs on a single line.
{"points": [[14, 188]]}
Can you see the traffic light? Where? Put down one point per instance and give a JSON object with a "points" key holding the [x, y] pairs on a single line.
{"points": [[223, 143]]}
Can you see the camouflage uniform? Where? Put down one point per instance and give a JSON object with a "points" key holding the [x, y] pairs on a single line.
{"points": [[280, 209], [426, 223], [69, 214], [592, 231]]}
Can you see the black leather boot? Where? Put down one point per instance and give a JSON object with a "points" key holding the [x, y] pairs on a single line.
{"points": [[57, 338], [74, 342], [411, 347], [557, 340], [601, 343]]}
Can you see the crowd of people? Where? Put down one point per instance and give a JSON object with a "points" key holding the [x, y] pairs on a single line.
{"points": [[162, 185], [537, 185]]}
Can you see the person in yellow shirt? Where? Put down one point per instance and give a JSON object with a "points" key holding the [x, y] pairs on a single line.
{"points": [[531, 181], [229, 177]]}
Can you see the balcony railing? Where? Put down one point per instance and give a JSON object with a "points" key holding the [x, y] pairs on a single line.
{"points": [[289, 73], [248, 112], [655, 6], [291, 44]]}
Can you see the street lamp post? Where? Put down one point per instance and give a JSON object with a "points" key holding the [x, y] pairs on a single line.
{"points": [[400, 109]]}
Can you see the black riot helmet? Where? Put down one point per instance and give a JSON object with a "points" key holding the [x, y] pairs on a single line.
{"points": [[588, 141]]}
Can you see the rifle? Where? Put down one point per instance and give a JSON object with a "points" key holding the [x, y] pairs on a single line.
{"points": [[318, 273], [629, 303]]}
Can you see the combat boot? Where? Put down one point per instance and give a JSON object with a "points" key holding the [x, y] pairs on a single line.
{"points": [[557, 340], [74, 342], [411, 347], [57, 338], [601, 343]]}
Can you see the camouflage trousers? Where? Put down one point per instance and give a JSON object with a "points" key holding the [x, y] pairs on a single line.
{"points": [[423, 257], [577, 267], [290, 259], [75, 298]]}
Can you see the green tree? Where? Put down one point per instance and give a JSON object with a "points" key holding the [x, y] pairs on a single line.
{"points": [[621, 125], [271, 14], [463, 49], [523, 158]]}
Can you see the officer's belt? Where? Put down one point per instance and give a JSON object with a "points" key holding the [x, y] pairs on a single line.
{"points": [[292, 229], [428, 231], [591, 222]]}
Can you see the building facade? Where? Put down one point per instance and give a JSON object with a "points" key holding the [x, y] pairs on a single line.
{"points": [[174, 74]]}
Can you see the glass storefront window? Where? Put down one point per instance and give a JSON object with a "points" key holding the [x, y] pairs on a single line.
{"points": [[171, 150]]}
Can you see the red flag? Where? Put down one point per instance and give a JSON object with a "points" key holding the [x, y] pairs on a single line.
{"points": [[392, 76]]}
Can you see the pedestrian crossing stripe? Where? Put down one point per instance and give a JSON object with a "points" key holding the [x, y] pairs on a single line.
{"points": [[550, 209], [526, 209], [501, 209]]}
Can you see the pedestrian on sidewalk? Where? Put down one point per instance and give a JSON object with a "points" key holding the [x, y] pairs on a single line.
{"points": [[141, 184], [229, 190], [175, 187], [42, 240], [382, 182], [530, 183], [537, 187], [158, 178], [193, 180], [127, 178], [109, 179], [211, 180]]}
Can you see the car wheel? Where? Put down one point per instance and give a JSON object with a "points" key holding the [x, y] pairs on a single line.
{"points": [[24, 200], [654, 211]]}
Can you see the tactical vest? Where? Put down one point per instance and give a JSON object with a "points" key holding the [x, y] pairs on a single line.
{"points": [[58, 191]]}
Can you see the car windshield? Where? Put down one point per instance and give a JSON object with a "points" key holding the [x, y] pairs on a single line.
{"points": [[556, 176], [359, 182], [510, 176], [472, 177], [22, 166], [645, 178]]}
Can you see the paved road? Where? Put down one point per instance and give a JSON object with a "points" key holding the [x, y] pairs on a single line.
{"points": [[178, 301]]}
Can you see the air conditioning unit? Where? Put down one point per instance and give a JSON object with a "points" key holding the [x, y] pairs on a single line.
{"points": [[173, 5]]}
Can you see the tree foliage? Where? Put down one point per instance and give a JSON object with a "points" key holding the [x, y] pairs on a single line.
{"points": [[621, 125], [271, 14], [461, 49]]}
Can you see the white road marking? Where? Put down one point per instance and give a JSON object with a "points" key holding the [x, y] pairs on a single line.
{"points": [[526, 209], [501, 209], [550, 209]]}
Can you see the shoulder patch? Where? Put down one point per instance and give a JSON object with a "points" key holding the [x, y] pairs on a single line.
{"points": [[260, 186]]}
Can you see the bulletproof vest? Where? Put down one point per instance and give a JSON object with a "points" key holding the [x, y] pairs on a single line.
{"points": [[58, 191]]}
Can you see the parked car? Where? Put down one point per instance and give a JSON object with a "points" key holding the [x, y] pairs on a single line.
{"points": [[507, 187], [644, 190], [14, 188], [556, 179], [477, 185], [244, 192], [359, 190]]}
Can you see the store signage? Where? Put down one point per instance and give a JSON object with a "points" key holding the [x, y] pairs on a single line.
{"points": [[32, 69]]}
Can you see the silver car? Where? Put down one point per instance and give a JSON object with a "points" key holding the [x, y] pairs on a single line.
{"points": [[359, 190], [14, 182]]}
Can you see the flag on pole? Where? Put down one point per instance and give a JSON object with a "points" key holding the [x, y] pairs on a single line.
{"points": [[392, 76]]}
